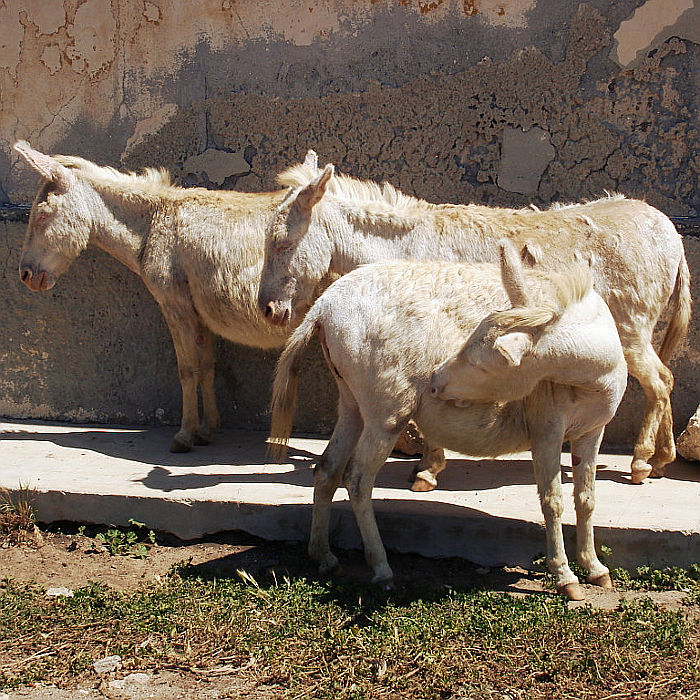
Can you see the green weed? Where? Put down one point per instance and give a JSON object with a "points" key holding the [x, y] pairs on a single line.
{"points": [[120, 542]]}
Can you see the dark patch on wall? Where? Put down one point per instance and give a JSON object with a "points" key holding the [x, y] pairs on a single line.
{"points": [[439, 135]]}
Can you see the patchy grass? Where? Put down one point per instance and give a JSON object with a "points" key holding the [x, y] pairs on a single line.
{"points": [[337, 640], [670, 578]]}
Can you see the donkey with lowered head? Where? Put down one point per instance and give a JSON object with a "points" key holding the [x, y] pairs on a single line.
{"points": [[199, 252], [330, 223], [550, 368]]}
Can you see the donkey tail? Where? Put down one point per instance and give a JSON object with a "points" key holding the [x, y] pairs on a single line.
{"points": [[680, 318], [284, 388]]}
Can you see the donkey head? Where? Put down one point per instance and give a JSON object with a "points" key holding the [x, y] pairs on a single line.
{"points": [[493, 364], [59, 222], [297, 251]]}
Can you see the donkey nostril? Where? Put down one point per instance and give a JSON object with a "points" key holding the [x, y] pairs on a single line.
{"points": [[26, 275], [269, 310], [285, 318], [433, 390]]}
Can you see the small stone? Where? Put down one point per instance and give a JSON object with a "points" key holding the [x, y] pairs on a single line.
{"points": [[688, 443], [137, 678], [108, 664], [58, 591]]}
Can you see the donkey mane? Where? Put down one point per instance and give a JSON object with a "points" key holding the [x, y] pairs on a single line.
{"points": [[565, 289], [386, 201], [357, 191], [150, 181]]}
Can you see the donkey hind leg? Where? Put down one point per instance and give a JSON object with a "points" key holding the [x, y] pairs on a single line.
{"points": [[584, 456], [373, 448], [655, 446], [327, 474], [546, 462], [432, 462]]}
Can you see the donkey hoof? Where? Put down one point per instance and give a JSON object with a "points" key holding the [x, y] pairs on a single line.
{"points": [[640, 471], [572, 591], [180, 445], [424, 481], [384, 585], [329, 565], [202, 438], [657, 473], [604, 581]]}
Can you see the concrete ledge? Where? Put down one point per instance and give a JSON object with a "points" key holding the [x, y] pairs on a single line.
{"points": [[486, 511]]}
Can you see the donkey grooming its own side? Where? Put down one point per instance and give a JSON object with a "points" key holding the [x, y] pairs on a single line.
{"points": [[199, 253], [550, 368]]}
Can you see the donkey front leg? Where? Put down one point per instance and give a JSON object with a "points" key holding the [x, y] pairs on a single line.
{"points": [[211, 421], [584, 457], [546, 461], [186, 331]]}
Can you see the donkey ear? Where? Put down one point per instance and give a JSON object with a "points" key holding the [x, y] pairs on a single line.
{"points": [[48, 167], [512, 275], [311, 160], [514, 346], [311, 195]]}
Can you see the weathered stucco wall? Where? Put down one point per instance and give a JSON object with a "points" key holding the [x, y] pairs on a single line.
{"points": [[497, 102]]}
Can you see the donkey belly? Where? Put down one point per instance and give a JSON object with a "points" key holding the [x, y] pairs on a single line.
{"points": [[246, 329], [478, 430]]}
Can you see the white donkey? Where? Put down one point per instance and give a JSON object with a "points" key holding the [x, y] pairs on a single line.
{"points": [[199, 253], [335, 223], [549, 369]]}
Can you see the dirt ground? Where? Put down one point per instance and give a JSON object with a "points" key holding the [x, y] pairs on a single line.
{"points": [[56, 559]]}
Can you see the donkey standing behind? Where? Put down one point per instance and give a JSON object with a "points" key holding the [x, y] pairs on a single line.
{"points": [[335, 223], [199, 253], [549, 369]]}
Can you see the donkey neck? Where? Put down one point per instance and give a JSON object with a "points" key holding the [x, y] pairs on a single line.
{"points": [[121, 226]]}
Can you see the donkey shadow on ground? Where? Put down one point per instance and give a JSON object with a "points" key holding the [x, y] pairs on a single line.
{"points": [[228, 458]]}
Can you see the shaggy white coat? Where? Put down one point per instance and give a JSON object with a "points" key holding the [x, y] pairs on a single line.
{"points": [[550, 370], [330, 223]]}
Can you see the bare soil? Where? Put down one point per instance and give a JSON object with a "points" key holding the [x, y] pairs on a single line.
{"points": [[57, 559]]}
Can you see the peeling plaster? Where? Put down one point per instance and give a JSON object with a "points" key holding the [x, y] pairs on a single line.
{"points": [[216, 165], [511, 14], [48, 15], [378, 96], [93, 33], [10, 37], [51, 58], [151, 125], [151, 12], [651, 23], [524, 157]]}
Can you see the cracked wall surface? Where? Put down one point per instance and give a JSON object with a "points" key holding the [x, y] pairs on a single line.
{"points": [[499, 102]]}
